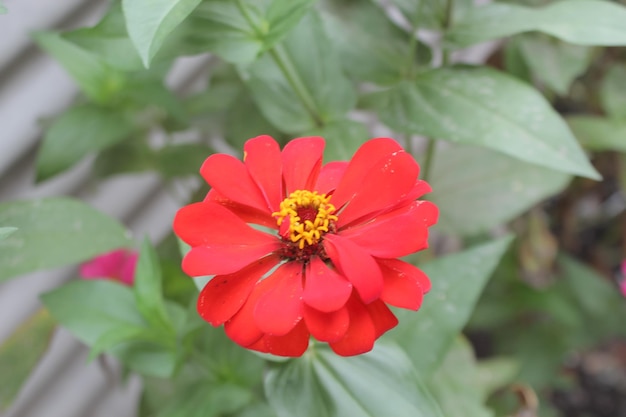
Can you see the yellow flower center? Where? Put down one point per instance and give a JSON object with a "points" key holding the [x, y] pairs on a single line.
{"points": [[310, 215]]}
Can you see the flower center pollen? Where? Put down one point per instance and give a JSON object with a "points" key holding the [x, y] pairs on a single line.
{"points": [[310, 216]]}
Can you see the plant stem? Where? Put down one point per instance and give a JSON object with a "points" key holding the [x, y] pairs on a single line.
{"points": [[428, 161], [285, 65]]}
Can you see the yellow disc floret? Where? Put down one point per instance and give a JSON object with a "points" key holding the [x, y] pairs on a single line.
{"points": [[310, 215]]}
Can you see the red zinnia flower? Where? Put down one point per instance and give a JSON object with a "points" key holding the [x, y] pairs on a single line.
{"points": [[329, 266]]}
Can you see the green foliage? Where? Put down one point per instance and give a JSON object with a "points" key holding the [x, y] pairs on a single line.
{"points": [[20, 353], [477, 189], [77, 132], [613, 91], [484, 107], [323, 384], [300, 86], [105, 315], [150, 22], [581, 22], [54, 232], [427, 335], [461, 385]]}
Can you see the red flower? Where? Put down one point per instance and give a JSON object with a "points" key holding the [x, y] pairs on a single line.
{"points": [[328, 268], [118, 265]]}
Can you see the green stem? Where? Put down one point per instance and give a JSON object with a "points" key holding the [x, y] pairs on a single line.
{"points": [[447, 20], [428, 161], [285, 65]]}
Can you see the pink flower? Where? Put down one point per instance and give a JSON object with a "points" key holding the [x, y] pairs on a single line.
{"points": [[118, 265]]}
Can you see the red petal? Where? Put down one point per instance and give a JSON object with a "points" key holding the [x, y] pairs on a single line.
{"points": [[230, 177], [329, 177], [245, 213], [404, 284], [302, 159], [360, 165], [210, 223], [361, 332], [293, 344], [327, 327], [224, 295], [242, 328], [224, 259], [397, 233], [388, 181], [280, 308], [356, 265], [263, 160], [382, 317], [324, 289]]}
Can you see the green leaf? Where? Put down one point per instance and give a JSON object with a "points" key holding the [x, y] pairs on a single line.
{"points": [[343, 138], [307, 53], [239, 31], [484, 107], [20, 353], [147, 288], [181, 160], [371, 47], [149, 22], [461, 388], [79, 131], [203, 399], [322, 384], [3, 9], [99, 313], [457, 281], [97, 79], [243, 120], [7, 231], [598, 133], [555, 63], [92, 308], [613, 91], [127, 157], [121, 334], [581, 22], [477, 189], [109, 40], [54, 232], [423, 13]]}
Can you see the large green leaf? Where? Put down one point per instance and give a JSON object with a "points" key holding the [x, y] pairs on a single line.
{"points": [[322, 384], [308, 56], [20, 353], [77, 132], [54, 232], [484, 107], [581, 22], [95, 77], [613, 91], [371, 47], [457, 281], [599, 133], [477, 189], [149, 22], [238, 31]]}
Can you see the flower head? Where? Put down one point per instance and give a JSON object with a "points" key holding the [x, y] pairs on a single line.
{"points": [[118, 265], [302, 249]]}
